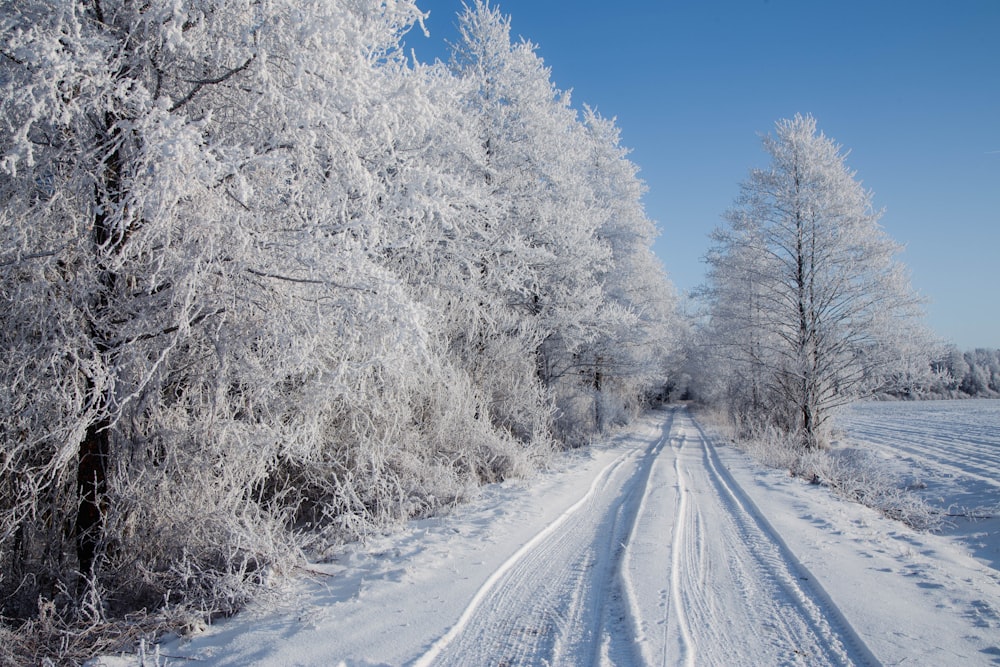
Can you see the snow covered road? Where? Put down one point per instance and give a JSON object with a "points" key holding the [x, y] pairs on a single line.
{"points": [[645, 553], [663, 561], [735, 594]]}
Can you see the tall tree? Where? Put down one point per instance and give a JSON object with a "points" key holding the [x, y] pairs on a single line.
{"points": [[637, 324], [740, 345], [458, 262], [186, 215], [805, 284], [536, 166]]}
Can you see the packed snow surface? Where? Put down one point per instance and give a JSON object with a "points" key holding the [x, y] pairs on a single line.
{"points": [[662, 546]]}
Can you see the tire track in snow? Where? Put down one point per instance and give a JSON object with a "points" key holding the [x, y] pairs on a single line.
{"points": [[664, 560], [636, 542], [687, 646], [729, 590], [540, 606], [630, 607], [827, 638]]}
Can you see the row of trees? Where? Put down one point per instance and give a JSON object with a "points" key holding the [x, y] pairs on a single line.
{"points": [[268, 284], [808, 308], [957, 374]]}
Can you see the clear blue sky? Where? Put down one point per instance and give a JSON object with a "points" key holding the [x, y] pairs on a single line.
{"points": [[911, 88]]}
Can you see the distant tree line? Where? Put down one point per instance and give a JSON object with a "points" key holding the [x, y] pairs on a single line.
{"points": [[956, 374], [268, 284]]}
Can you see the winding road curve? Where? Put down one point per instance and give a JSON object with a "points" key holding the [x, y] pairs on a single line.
{"points": [[663, 561]]}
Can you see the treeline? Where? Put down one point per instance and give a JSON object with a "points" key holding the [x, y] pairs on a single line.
{"points": [[957, 374], [269, 285]]}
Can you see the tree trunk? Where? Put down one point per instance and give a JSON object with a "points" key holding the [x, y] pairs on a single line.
{"points": [[95, 447], [91, 484], [598, 417], [808, 425]]}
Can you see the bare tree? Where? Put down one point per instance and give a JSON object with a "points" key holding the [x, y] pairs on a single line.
{"points": [[806, 292]]}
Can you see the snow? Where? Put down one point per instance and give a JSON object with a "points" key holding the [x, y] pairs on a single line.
{"points": [[661, 546], [913, 598], [950, 450]]}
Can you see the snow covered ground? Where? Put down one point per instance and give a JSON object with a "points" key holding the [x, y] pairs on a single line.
{"points": [[951, 452], [914, 598], [662, 546]]}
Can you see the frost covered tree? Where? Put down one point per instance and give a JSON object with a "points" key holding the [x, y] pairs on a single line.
{"points": [[268, 285], [637, 324], [538, 166], [530, 136], [956, 374], [193, 319], [443, 241], [807, 298], [435, 236], [740, 346]]}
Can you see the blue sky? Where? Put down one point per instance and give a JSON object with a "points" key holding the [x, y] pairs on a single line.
{"points": [[911, 89]]}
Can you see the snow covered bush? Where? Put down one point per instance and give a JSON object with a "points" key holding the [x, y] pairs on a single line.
{"points": [[770, 446], [859, 476], [852, 473]]}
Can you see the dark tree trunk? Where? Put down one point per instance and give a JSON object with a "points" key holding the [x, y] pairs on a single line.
{"points": [[95, 447], [598, 417], [91, 484]]}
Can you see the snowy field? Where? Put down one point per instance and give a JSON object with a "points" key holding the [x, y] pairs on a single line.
{"points": [[914, 598], [662, 546], [951, 451]]}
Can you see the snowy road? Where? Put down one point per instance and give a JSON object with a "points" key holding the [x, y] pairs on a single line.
{"points": [[656, 548], [735, 592], [663, 561]]}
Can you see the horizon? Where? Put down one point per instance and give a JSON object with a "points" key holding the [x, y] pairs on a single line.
{"points": [[912, 100]]}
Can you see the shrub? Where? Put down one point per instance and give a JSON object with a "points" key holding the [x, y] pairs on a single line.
{"points": [[852, 473]]}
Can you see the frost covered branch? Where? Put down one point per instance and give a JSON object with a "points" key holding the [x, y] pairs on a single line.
{"points": [[201, 83]]}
